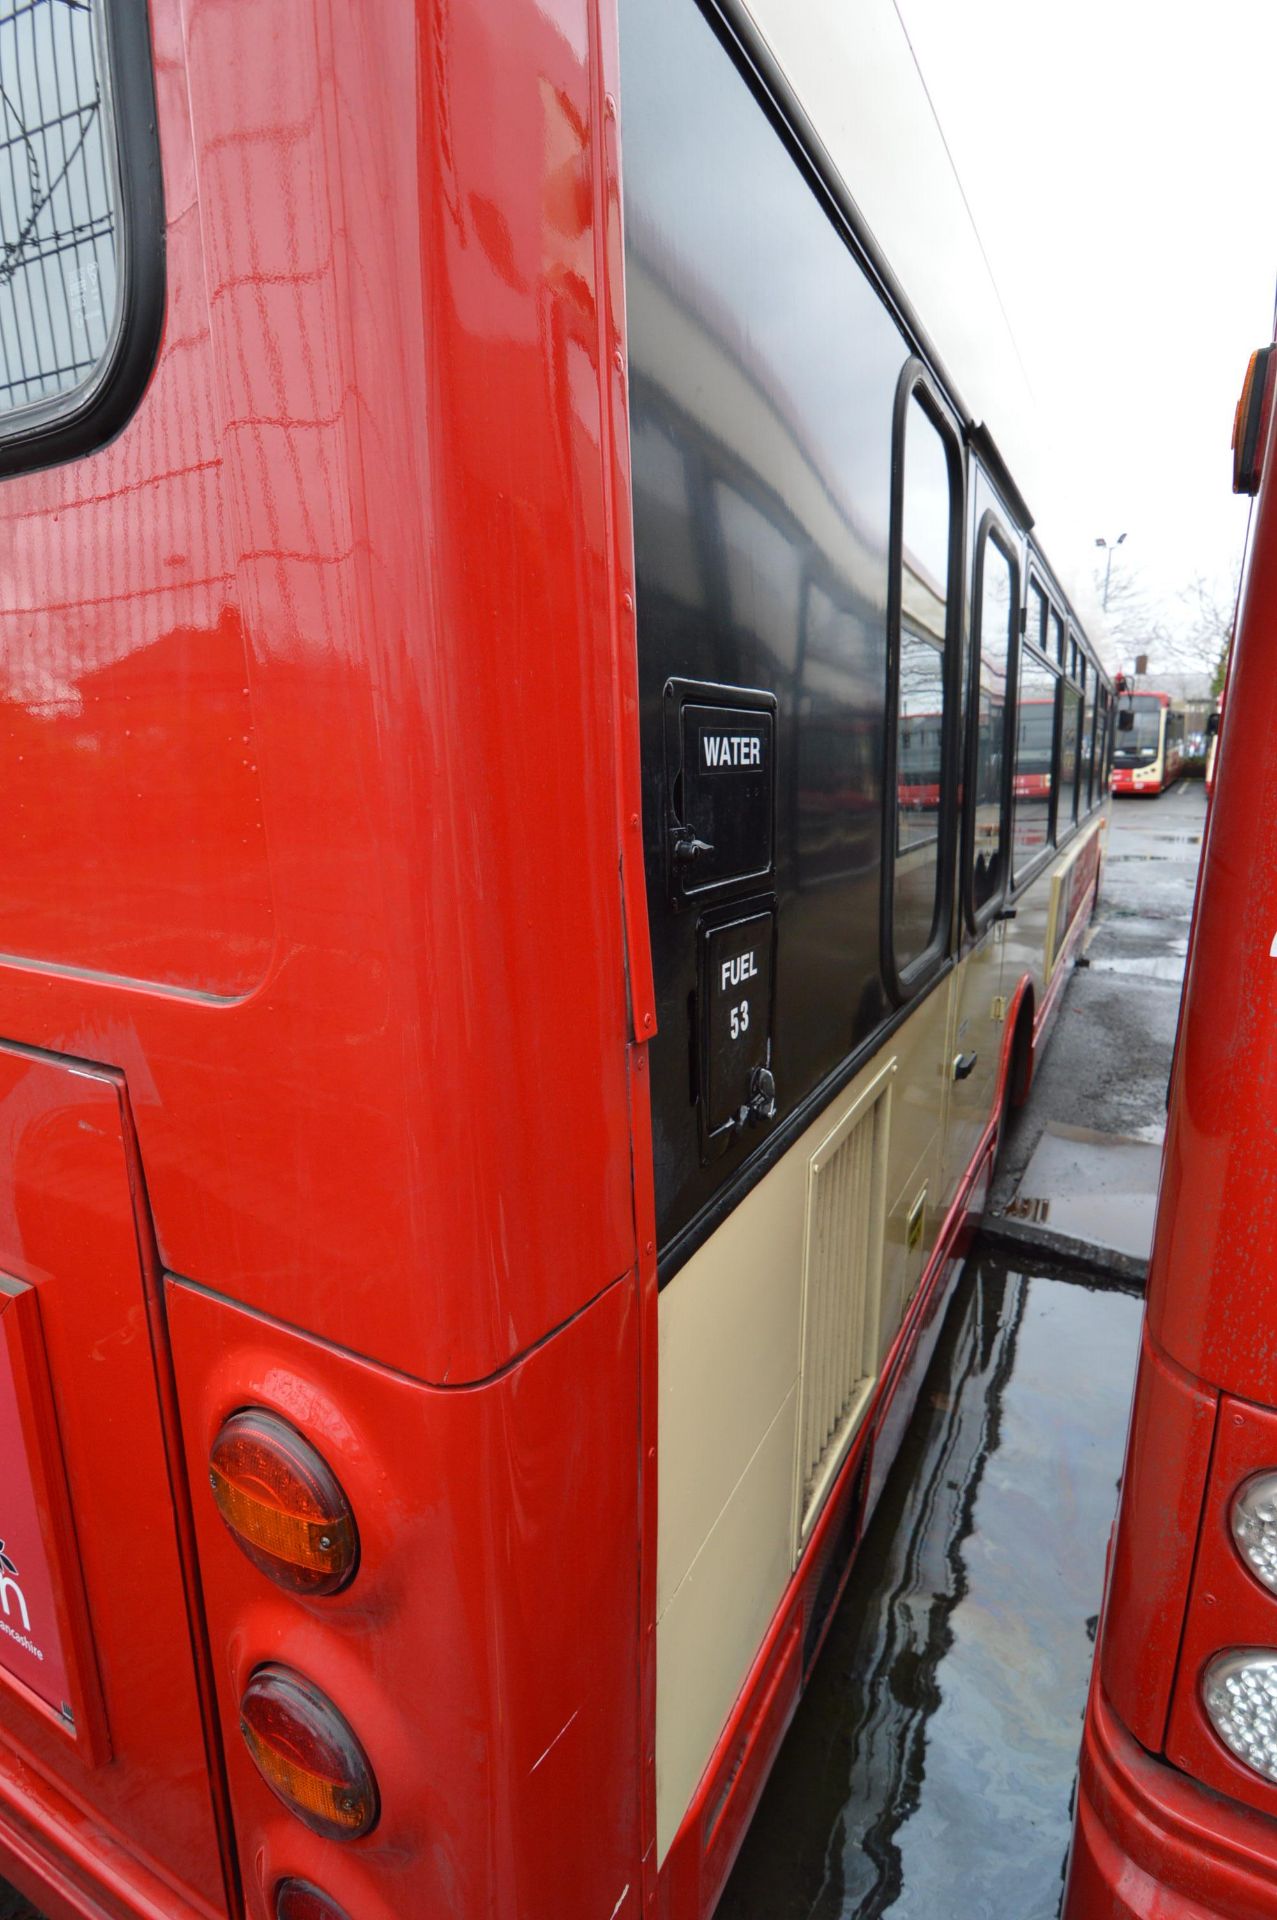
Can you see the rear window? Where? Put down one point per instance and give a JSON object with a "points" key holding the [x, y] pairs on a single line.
{"points": [[58, 201], [77, 168]]}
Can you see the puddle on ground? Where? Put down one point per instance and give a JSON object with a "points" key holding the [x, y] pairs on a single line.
{"points": [[929, 1769], [1150, 966]]}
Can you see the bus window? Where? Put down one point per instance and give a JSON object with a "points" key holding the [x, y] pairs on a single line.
{"points": [[994, 640], [925, 556], [1086, 732], [1034, 757], [1070, 729], [1035, 616], [1056, 648]]}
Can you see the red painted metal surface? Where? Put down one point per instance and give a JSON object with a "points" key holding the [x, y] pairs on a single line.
{"points": [[1175, 1835], [1150, 1844], [1168, 1456], [1228, 1607], [46, 1644], [484, 1654], [69, 1229], [306, 786], [33, 1638]]}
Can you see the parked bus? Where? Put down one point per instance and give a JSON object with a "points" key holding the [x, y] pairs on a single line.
{"points": [[493, 1083], [1177, 1797], [1148, 756]]}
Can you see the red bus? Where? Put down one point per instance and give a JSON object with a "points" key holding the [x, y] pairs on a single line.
{"points": [[1178, 1791], [493, 1085], [1148, 754]]}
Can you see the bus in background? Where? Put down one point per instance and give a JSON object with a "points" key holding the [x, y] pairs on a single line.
{"points": [[529, 883], [1177, 1798], [1148, 756]]}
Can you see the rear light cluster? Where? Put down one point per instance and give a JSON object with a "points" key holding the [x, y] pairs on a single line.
{"points": [[287, 1511], [1254, 1525], [307, 1754], [298, 1900], [283, 1504], [1239, 1687], [1239, 1690]]}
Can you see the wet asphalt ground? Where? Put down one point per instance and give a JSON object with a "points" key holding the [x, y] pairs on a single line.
{"points": [[1109, 1057], [929, 1771]]}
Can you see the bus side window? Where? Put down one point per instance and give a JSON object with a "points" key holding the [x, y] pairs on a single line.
{"points": [[1035, 616], [1057, 648], [1070, 729], [1034, 757], [925, 590], [998, 599]]}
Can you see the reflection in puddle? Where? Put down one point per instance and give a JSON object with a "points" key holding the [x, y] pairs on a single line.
{"points": [[929, 1770], [1151, 966]]}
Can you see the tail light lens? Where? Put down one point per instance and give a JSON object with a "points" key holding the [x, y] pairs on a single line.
{"points": [[1239, 1691], [298, 1900], [1253, 1518], [283, 1503], [308, 1755]]}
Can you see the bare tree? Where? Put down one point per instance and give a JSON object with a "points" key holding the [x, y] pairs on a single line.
{"points": [[1188, 635], [1210, 615]]}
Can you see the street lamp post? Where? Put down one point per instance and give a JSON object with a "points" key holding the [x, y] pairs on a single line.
{"points": [[1108, 565]]}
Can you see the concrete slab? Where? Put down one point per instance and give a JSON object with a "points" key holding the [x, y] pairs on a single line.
{"points": [[1097, 1189]]}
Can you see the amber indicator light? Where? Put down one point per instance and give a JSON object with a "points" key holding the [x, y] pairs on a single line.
{"points": [[1250, 422], [307, 1754], [298, 1900], [283, 1503]]}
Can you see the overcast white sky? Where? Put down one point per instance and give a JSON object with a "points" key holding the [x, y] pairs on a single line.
{"points": [[1118, 159]]}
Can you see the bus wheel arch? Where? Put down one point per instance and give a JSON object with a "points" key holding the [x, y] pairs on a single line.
{"points": [[1020, 1051]]}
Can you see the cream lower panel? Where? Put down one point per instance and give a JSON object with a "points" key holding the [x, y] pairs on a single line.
{"points": [[729, 1326], [730, 1329], [713, 1625], [730, 1321], [1026, 938], [905, 1249]]}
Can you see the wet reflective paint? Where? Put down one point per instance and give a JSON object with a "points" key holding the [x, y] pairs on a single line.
{"points": [[930, 1767]]}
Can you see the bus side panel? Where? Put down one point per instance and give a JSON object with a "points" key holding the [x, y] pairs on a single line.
{"points": [[486, 1651], [1212, 1284], [324, 678]]}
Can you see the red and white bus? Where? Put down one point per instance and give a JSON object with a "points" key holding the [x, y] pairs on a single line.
{"points": [[1148, 753], [1177, 1802], [493, 1084]]}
